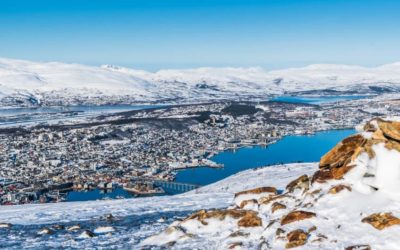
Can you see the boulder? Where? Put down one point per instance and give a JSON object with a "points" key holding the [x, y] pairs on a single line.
{"points": [[338, 188], [250, 219], [303, 183], [341, 154], [296, 238], [381, 220], [247, 202], [276, 206], [335, 173], [296, 216], [246, 218], [259, 190], [266, 200], [390, 129]]}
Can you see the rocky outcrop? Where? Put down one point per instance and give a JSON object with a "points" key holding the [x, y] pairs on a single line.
{"points": [[246, 218], [337, 162], [338, 188], [276, 206], [296, 238], [260, 190], [302, 183], [381, 220], [250, 219], [296, 216], [248, 202]]}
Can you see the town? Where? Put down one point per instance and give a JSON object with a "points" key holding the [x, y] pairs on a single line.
{"points": [[44, 162]]}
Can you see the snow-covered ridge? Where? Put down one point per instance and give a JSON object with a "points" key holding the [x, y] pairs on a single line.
{"points": [[37, 79]]}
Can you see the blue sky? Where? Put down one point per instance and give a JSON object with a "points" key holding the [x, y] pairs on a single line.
{"points": [[153, 34]]}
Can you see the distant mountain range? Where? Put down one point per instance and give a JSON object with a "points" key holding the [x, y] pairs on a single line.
{"points": [[35, 82]]}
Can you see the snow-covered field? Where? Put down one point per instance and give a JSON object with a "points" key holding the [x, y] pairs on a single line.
{"points": [[135, 219], [38, 80]]}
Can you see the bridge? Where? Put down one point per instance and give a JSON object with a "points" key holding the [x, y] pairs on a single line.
{"points": [[169, 185], [176, 186]]}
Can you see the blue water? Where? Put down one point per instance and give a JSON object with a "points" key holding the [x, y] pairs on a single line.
{"points": [[316, 100], [304, 148], [98, 194]]}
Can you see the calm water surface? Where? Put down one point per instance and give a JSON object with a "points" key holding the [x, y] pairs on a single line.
{"points": [[304, 148], [317, 100]]}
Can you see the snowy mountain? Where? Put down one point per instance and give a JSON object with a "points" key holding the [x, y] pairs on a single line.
{"points": [[47, 82]]}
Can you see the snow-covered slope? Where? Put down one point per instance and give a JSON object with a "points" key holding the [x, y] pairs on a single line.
{"points": [[53, 79], [351, 202], [135, 219]]}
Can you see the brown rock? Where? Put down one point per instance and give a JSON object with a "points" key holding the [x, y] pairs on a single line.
{"points": [[336, 173], [381, 220], [247, 218], [393, 145], [268, 199], [296, 238], [338, 188], [276, 206], [358, 247], [303, 182], [245, 202], [390, 129], [322, 176], [259, 190], [250, 219], [296, 216], [342, 152]]}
